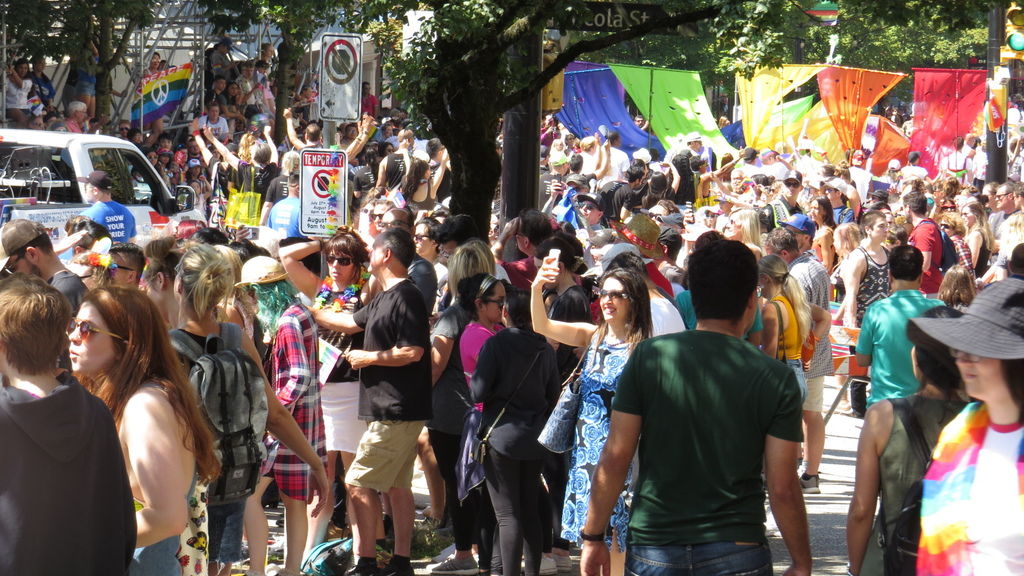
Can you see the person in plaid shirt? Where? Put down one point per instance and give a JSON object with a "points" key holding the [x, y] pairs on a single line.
{"points": [[292, 369]]}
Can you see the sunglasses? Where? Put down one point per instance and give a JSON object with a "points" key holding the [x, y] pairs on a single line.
{"points": [[85, 328], [340, 260], [114, 266], [500, 303], [376, 216], [614, 295]]}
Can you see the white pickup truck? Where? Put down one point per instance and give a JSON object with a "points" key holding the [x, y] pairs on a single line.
{"points": [[39, 174]]}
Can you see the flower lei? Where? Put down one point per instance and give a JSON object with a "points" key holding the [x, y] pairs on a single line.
{"points": [[350, 295], [99, 260]]}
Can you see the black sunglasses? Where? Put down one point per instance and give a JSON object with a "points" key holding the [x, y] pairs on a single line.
{"points": [[340, 260]]}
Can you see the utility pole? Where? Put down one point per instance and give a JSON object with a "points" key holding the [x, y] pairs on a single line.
{"points": [[520, 176], [998, 79]]}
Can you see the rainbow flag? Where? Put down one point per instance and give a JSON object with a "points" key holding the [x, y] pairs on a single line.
{"points": [[826, 13], [161, 93]]}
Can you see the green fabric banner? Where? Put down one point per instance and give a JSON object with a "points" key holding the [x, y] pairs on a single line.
{"points": [[673, 102]]}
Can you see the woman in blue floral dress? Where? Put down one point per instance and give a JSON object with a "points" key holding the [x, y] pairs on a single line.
{"points": [[625, 321]]}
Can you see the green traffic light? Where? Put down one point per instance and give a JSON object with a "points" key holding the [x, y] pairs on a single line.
{"points": [[1015, 41]]}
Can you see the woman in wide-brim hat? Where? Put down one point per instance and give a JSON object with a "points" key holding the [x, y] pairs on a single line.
{"points": [[972, 516]]}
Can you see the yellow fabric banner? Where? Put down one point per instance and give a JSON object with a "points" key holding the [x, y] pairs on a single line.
{"points": [[818, 127], [765, 90]]}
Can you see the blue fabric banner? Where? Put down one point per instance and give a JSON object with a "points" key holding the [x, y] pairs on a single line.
{"points": [[592, 100]]}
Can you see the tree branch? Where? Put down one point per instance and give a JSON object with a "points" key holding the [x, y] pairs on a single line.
{"points": [[573, 52]]}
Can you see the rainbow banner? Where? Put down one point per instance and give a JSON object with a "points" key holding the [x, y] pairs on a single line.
{"points": [[161, 93]]}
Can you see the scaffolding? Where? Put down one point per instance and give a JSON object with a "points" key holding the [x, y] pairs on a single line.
{"points": [[182, 33]]}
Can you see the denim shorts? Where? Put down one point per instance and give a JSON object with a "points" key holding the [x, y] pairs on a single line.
{"points": [[158, 559], [226, 522], [718, 558], [85, 88], [798, 368]]}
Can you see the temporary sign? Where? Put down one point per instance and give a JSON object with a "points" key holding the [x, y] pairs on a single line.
{"points": [[341, 77], [323, 194]]}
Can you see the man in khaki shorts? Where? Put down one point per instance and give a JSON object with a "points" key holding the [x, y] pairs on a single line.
{"points": [[395, 373]]}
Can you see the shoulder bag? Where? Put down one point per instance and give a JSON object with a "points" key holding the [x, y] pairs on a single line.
{"points": [[559, 431]]}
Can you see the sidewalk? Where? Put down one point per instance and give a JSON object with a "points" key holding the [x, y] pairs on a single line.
{"points": [[826, 512]]}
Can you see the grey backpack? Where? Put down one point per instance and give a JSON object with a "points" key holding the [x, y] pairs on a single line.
{"points": [[233, 397]]}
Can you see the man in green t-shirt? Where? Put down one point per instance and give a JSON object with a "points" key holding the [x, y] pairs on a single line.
{"points": [[883, 342], [706, 409]]}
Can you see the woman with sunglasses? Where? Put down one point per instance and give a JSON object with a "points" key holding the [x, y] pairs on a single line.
{"points": [[342, 289], [979, 237], [121, 352], [971, 508], [625, 321], [483, 296], [202, 281]]}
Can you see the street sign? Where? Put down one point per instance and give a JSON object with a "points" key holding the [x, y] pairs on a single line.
{"points": [[615, 16], [323, 191], [341, 76]]}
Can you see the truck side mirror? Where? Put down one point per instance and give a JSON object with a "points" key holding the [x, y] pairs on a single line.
{"points": [[186, 198]]}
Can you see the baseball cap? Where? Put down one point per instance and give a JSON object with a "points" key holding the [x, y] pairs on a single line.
{"points": [[642, 154], [580, 198], [99, 179], [693, 137], [802, 224], [557, 158], [793, 175], [194, 162], [17, 234], [578, 179]]}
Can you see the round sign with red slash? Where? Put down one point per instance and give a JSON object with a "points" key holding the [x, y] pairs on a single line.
{"points": [[322, 183], [340, 61]]}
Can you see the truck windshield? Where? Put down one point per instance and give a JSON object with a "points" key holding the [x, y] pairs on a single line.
{"points": [[36, 171]]}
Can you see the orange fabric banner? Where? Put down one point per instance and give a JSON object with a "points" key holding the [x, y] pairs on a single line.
{"points": [[890, 143], [848, 95]]}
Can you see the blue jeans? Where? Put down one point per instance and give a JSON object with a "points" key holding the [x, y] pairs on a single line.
{"points": [[713, 558]]}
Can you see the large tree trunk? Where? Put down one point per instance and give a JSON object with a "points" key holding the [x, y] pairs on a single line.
{"points": [[464, 116]]}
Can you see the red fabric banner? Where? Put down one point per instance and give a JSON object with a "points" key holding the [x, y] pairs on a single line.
{"points": [[848, 94], [890, 144], [946, 105]]}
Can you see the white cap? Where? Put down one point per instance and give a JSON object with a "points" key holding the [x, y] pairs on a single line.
{"points": [[693, 136], [642, 154]]}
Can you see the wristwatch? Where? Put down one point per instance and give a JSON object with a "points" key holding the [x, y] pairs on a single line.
{"points": [[591, 537]]}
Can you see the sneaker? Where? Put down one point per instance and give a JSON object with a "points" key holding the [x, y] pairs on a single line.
{"points": [[460, 567], [392, 570], [809, 484], [564, 563], [548, 566], [362, 570]]}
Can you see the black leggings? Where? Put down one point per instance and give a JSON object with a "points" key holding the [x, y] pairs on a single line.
{"points": [[556, 476], [463, 514], [514, 486]]}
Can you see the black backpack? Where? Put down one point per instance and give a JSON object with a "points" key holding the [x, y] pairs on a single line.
{"points": [[949, 253], [233, 397], [899, 549]]}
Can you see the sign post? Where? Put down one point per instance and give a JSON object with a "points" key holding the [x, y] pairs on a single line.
{"points": [[341, 77], [323, 193]]}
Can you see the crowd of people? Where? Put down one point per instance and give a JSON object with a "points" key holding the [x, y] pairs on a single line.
{"points": [[687, 301]]}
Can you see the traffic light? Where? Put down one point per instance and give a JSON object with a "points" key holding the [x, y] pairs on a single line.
{"points": [[1014, 47]]}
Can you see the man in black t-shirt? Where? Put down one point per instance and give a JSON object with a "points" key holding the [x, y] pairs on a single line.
{"points": [[396, 398]]}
